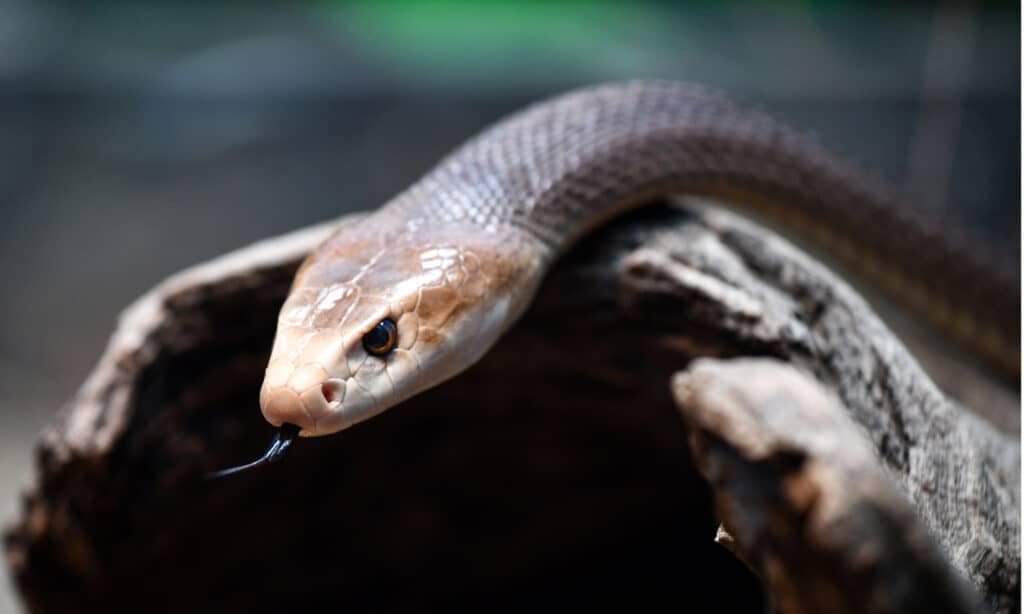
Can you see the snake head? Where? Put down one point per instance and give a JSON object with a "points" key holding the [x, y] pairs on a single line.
{"points": [[371, 323]]}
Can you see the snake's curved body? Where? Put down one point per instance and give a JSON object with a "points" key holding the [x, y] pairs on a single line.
{"points": [[454, 260]]}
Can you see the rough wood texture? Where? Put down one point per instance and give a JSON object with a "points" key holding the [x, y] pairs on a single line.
{"points": [[555, 469], [804, 499]]}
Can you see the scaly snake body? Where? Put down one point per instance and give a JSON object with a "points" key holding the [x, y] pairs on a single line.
{"points": [[419, 290]]}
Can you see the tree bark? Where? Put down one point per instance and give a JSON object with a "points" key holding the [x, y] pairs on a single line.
{"points": [[557, 468], [803, 498]]}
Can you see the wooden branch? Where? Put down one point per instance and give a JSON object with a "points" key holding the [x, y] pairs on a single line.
{"points": [[565, 475], [804, 499]]}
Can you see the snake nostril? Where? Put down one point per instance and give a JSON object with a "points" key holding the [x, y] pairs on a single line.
{"points": [[331, 391]]}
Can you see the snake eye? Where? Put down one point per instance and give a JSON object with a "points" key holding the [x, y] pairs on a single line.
{"points": [[382, 338]]}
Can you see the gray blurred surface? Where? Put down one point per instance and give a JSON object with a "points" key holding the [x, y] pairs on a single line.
{"points": [[135, 143]]}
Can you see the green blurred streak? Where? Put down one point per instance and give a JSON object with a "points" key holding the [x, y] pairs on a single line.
{"points": [[474, 39], [477, 36]]}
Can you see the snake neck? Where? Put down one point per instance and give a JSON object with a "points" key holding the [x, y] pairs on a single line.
{"points": [[557, 170]]}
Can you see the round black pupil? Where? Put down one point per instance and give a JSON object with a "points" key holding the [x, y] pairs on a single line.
{"points": [[379, 339]]}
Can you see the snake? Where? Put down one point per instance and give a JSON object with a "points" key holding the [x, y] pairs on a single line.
{"points": [[420, 289]]}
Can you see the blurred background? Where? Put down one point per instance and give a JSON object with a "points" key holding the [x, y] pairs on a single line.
{"points": [[138, 138]]}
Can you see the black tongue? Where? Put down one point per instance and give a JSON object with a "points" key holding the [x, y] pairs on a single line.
{"points": [[282, 440]]}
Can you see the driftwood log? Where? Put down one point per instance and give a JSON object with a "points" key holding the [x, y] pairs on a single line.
{"points": [[809, 506], [556, 472]]}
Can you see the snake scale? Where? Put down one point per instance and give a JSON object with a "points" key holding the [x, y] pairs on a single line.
{"points": [[420, 289]]}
